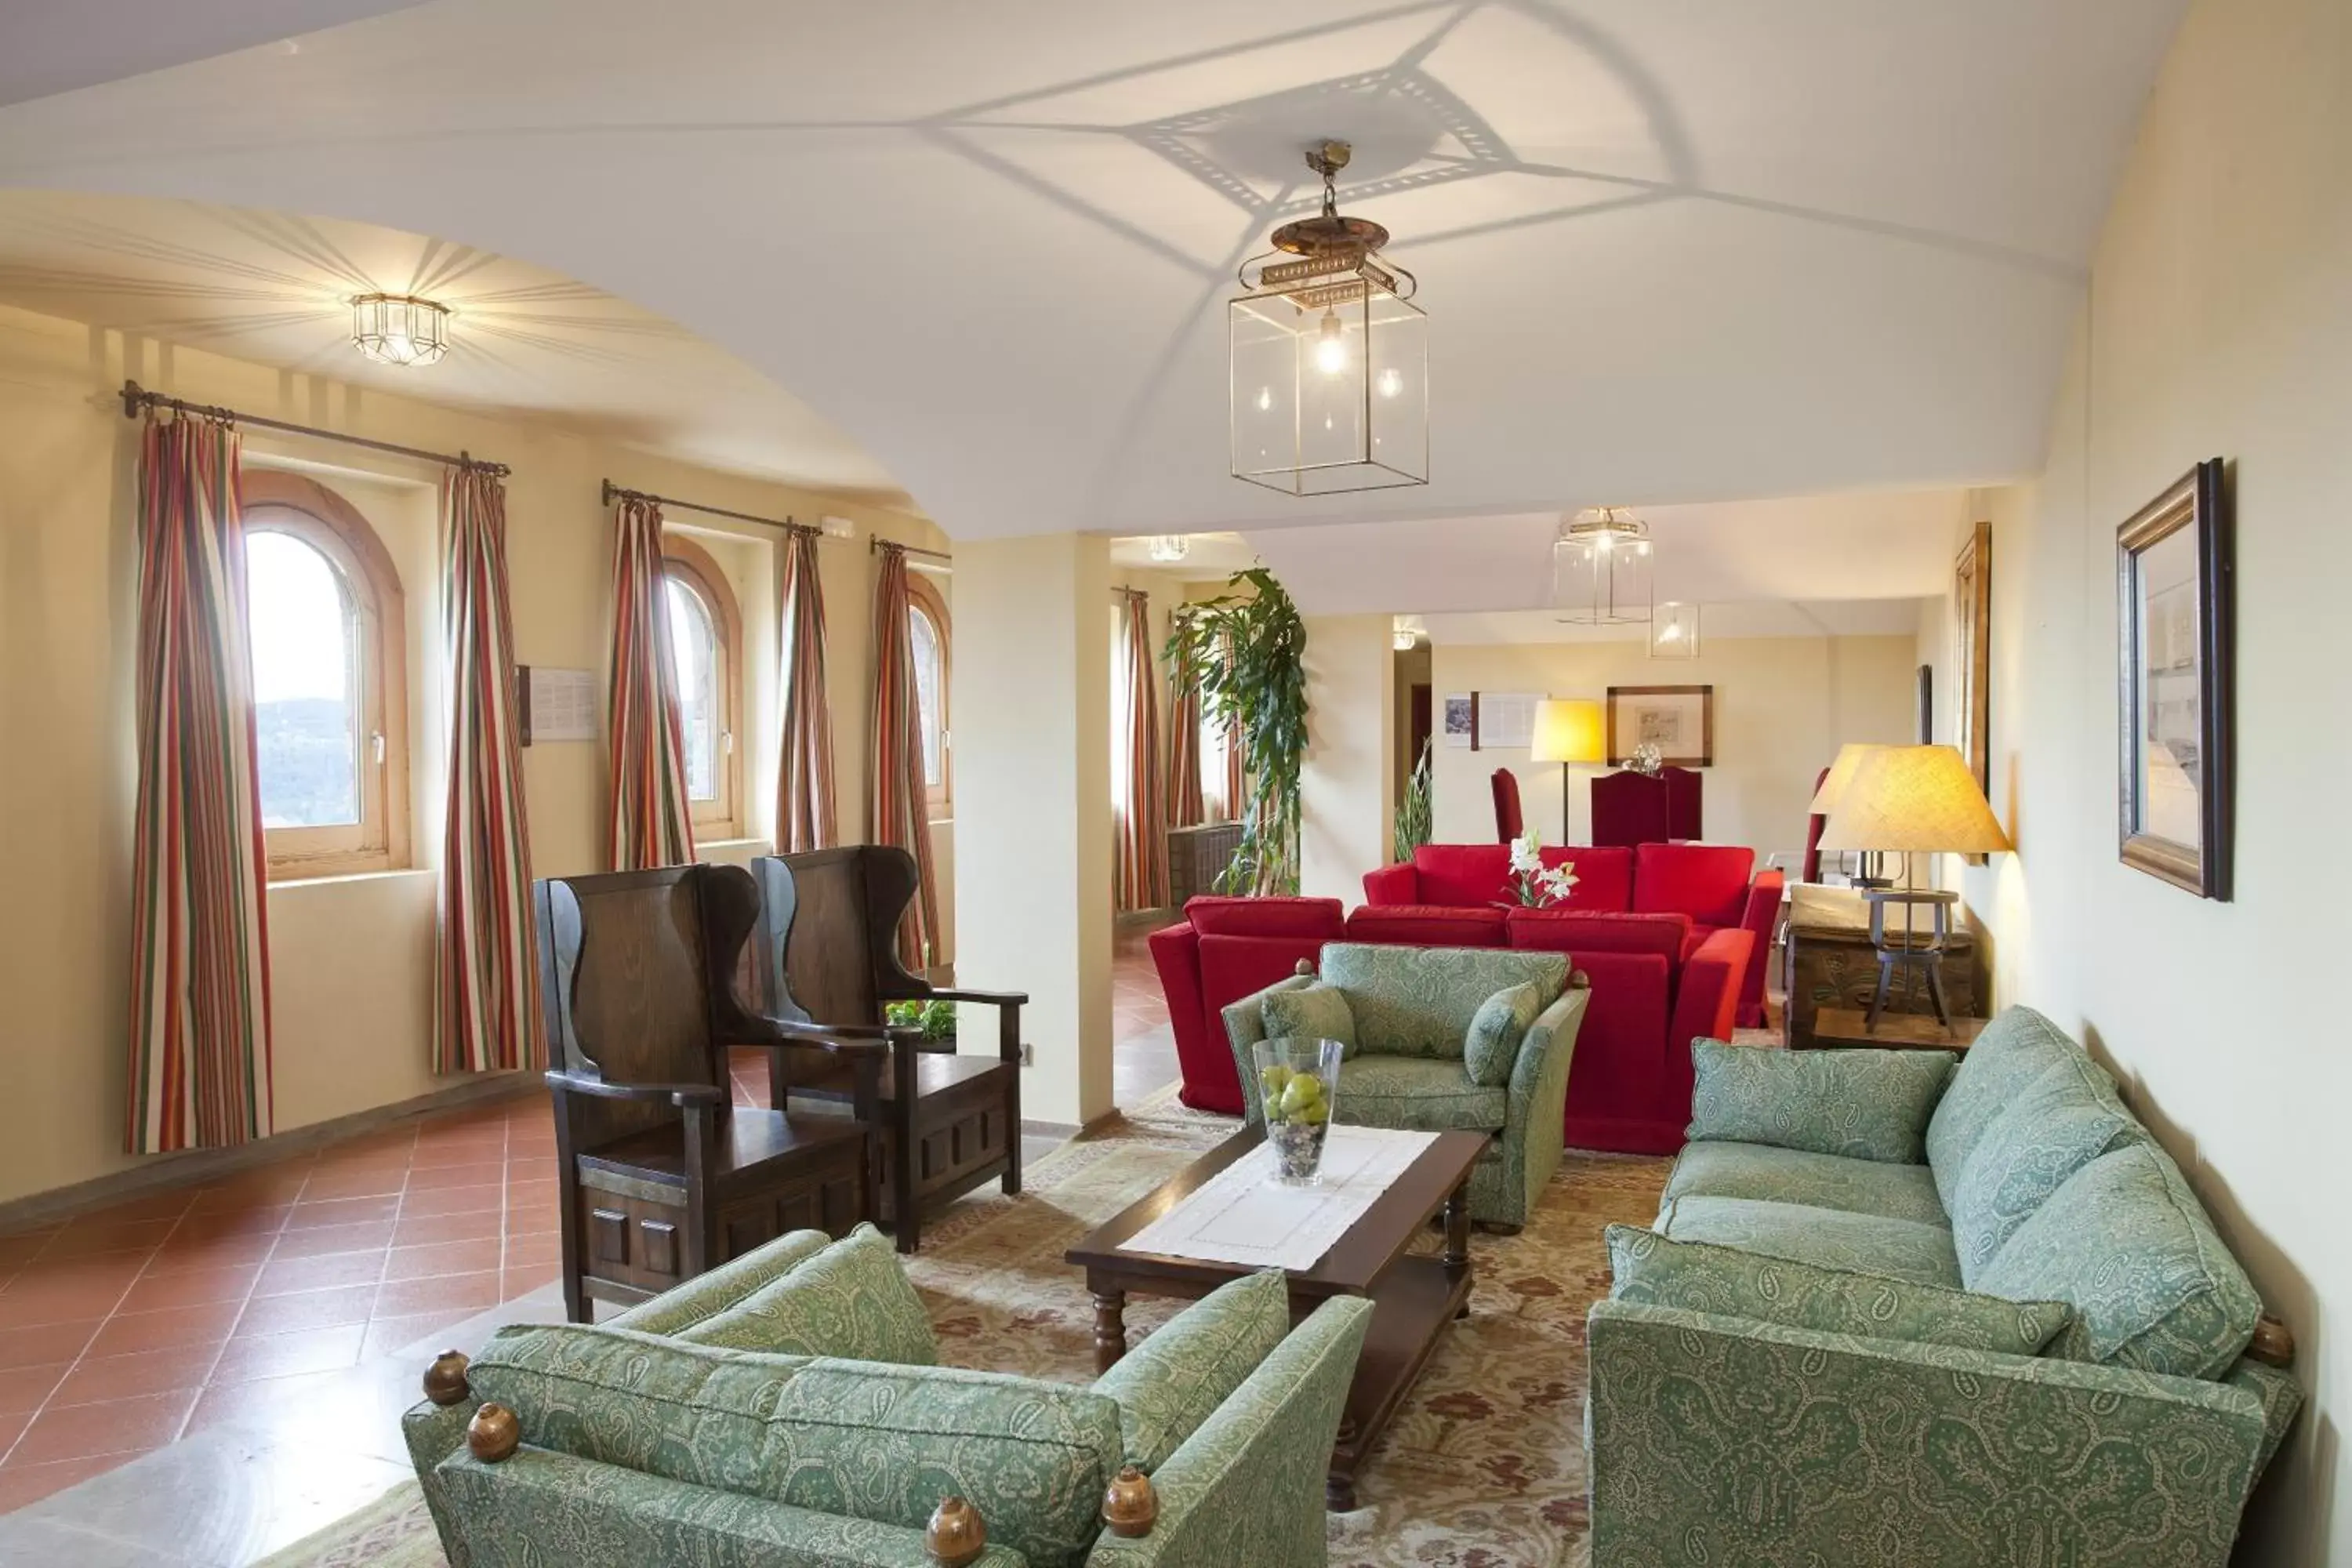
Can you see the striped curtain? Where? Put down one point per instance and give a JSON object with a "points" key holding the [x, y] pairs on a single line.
{"points": [[1185, 806], [200, 1070], [897, 815], [805, 817], [652, 825], [1142, 816], [484, 978], [1237, 777]]}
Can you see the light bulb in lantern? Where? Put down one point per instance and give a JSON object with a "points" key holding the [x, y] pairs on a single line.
{"points": [[1331, 345], [1390, 382], [1265, 398], [1671, 632], [1643, 548]]}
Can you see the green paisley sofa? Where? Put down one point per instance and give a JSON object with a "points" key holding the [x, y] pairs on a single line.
{"points": [[1896, 1311], [787, 1408], [1411, 1018]]}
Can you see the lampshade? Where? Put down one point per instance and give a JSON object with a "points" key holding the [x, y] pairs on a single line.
{"points": [[1850, 757], [1567, 729], [1910, 798]]}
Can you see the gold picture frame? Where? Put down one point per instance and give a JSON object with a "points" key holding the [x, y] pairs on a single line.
{"points": [[2175, 646], [1972, 654]]}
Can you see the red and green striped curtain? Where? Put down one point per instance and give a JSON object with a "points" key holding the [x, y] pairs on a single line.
{"points": [[485, 982], [652, 822], [1140, 809], [200, 1071], [897, 812], [805, 815]]}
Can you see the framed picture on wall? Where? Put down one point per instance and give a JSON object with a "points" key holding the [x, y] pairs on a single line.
{"points": [[1677, 720], [1972, 654], [2174, 644]]}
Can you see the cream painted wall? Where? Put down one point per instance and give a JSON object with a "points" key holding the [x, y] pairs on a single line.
{"points": [[2219, 323], [351, 956], [1783, 706], [1031, 696], [1347, 783]]}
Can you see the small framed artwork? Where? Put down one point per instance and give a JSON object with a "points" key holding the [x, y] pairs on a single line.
{"points": [[1679, 721], [1972, 654], [2174, 641], [1925, 705], [1461, 711]]}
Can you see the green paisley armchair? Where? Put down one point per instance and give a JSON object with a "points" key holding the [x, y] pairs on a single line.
{"points": [[1412, 1011], [709, 1426]]}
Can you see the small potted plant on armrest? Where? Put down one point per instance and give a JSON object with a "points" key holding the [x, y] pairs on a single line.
{"points": [[935, 1017]]}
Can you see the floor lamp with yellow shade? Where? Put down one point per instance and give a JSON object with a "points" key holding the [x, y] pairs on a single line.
{"points": [[1913, 800], [1568, 731]]}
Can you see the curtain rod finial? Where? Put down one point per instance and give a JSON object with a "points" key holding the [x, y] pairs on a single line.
{"points": [[133, 395]]}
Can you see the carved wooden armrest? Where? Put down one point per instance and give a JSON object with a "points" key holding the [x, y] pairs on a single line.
{"points": [[991, 998], [957, 1535], [677, 1094], [1131, 1507], [777, 1033], [2274, 1342]]}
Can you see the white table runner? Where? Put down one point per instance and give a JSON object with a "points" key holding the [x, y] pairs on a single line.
{"points": [[1242, 1215]]}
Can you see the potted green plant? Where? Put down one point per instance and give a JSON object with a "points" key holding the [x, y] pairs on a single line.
{"points": [[935, 1017], [1416, 812], [1245, 652]]}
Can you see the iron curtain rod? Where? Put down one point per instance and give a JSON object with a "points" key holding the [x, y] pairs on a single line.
{"points": [[136, 397], [876, 541], [614, 492]]}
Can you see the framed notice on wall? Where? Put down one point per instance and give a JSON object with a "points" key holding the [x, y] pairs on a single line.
{"points": [[1507, 718], [555, 704], [1461, 719]]}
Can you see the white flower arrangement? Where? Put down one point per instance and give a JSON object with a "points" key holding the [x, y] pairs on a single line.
{"points": [[1534, 884]]}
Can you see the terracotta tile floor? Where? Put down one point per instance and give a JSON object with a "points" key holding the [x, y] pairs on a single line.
{"points": [[135, 1326], [125, 1329]]}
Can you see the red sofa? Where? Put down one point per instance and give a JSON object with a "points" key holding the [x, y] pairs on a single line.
{"points": [[1653, 990], [1711, 884]]}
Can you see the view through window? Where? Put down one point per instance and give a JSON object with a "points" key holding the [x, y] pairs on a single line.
{"points": [[306, 682], [694, 651]]}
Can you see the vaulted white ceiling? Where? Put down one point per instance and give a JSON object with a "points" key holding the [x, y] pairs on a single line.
{"points": [[1671, 253]]}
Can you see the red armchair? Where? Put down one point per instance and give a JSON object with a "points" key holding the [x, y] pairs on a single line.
{"points": [[1508, 823], [1224, 950], [1709, 883]]}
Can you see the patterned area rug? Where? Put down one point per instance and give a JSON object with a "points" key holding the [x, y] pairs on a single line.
{"points": [[1483, 1468]]}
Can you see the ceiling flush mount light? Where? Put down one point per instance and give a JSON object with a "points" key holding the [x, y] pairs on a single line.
{"points": [[1167, 549], [1329, 382], [400, 329], [1673, 631], [1600, 568]]}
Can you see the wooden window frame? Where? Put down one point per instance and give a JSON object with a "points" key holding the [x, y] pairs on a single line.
{"points": [[337, 530], [700, 570], [923, 596]]}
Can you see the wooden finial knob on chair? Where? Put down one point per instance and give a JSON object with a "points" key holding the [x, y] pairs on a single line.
{"points": [[445, 1380], [494, 1433], [957, 1535], [1129, 1505], [1306, 969], [2274, 1344]]}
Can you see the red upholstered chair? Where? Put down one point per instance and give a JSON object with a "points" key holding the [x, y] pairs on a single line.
{"points": [[1653, 992], [1508, 823], [1712, 884], [1630, 808], [1427, 925], [1814, 824], [1224, 950], [1685, 803]]}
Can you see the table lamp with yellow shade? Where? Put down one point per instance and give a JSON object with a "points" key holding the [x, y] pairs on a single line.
{"points": [[1832, 790], [1568, 731], [1912, 800]]}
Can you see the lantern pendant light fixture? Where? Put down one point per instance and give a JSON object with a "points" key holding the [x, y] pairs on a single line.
{"points": [[1328, 357], [1167, 549], [1600, 568], [400, 329]]}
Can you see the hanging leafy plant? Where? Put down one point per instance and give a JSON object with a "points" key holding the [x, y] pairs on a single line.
{"points": [[1245, 651], [1416, 812]]}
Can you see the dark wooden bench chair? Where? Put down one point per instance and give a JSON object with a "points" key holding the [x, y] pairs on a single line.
{"points": [[660, 1175]]}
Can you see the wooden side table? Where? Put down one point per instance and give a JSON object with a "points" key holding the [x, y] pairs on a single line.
{"points": [[1849, 1027]]}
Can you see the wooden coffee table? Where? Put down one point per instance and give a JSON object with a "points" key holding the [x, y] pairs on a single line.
{"points": [[1413, 1298]]}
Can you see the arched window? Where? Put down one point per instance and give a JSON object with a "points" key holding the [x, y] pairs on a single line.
{"points": [[926, 628], [706, 652], [329, 637]]}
